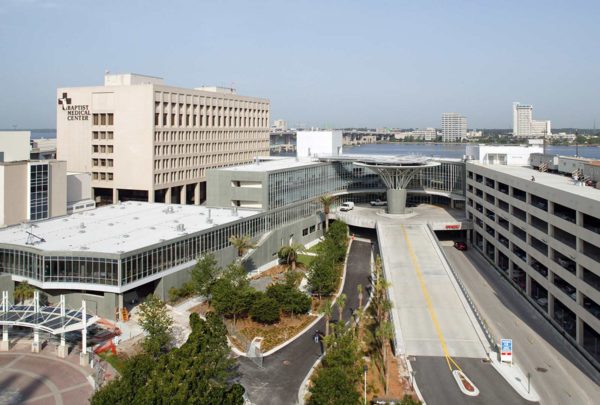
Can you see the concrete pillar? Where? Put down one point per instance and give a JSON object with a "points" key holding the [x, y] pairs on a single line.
{"points": [[168, 196], [35, 345], [183, 195], [151, 195], [115, 195], [528, 284], [5, 345], [579, 330], [396, 201], [62, 349], [197, 194], [550, 305]]}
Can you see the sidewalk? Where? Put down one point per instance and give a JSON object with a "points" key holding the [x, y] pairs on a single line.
{"points": [[515, 377]]}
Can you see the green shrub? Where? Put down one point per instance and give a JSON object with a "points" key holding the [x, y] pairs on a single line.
{"points": [[265, 309], [290, 300]]}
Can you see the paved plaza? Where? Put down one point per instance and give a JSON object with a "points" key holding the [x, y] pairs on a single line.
{"points": [[42, 378]]}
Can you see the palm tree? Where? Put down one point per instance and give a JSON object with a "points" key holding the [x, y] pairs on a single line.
{"points": [[23, 291], [241, 243], [385, 333], [326, 200], [341, 301], [359, 289], [290, 253], [326, 310]]}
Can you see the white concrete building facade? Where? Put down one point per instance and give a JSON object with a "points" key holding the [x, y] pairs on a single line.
{"points": [[454, 127], [315, 143], [525, 126], [143, 140]]}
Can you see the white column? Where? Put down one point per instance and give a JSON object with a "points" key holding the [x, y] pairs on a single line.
{"points": [[35, 345], [5, 346], [62, 349], [84, 358]]}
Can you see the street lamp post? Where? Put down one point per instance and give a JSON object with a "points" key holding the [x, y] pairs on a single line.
{"points": [[365, 368]]}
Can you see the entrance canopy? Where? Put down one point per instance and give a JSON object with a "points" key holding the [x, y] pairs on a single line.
{"points": [[52, 319]]}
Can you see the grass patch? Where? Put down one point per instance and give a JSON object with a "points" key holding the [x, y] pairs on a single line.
{"points": [[306, 260], [117, 362], [314, 249]]}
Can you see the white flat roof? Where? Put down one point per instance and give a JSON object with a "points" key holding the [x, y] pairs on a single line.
{"points": [[272, 165], [120, 228], [557, 181]]}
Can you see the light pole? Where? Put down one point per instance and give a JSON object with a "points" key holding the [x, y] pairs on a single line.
{"points": [[365, 368]]}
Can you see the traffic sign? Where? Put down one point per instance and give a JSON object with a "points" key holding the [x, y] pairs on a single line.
{"points": [[506, 350]]}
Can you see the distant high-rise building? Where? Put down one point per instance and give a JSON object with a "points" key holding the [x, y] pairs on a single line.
{"points": [[280, 125], [454, 127], [525, 126]]}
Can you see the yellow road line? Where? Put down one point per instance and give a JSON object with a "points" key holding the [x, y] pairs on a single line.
{"points": [[427, 297]]}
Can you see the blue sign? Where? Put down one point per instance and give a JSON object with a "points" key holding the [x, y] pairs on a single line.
{"points": [[506, 348]]}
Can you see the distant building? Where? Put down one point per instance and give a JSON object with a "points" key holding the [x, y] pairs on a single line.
{"points": [[518, 155], [30, 190], [454, 127], [143, 140], [525, 126], [318, 143], [426, 134], [280, 125]]}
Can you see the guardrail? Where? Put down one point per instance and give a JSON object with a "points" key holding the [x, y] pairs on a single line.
{"points": [[491, 340]]}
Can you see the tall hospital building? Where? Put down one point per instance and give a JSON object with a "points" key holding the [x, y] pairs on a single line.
{"points": [[145, 141]]}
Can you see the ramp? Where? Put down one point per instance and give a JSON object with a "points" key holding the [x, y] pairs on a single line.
{"points": [[428, 307]]}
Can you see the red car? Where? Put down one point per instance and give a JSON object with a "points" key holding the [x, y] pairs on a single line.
{"points": [[460, 245]]}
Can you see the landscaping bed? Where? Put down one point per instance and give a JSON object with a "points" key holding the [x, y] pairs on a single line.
{"points": [[273, 335]]}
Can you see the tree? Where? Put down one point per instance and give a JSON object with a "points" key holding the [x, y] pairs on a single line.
{"points": [[290, 300], [265, 309], [337, 380], [326, 310], [232, 295], [23, 291], [205, 275], [322, 276], [326, 200], [359, 290], [341, 302], [290, 253], [201, 371], [241, 243], [156, 322], [385, 332]]}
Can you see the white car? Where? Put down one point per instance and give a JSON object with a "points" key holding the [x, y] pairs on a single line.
{"points": [[378, 203], [347, 206]]}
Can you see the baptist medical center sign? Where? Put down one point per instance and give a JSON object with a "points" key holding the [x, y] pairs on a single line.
{"points": [[75, 112]]}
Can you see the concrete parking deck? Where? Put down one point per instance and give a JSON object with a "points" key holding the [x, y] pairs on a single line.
{"points": [[424, 295]]}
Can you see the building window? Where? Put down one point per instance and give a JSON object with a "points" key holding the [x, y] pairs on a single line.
{"points": [[38, 208]]}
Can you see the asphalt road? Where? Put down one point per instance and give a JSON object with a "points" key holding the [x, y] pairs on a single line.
{"points": [[560, 374], [439, 387], [279, 380]]}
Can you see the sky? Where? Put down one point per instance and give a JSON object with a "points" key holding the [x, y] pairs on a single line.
{"points": [[321, 63]]}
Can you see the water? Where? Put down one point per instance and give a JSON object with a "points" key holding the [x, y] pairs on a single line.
{"points": [[446, 150], [453, 150]]}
